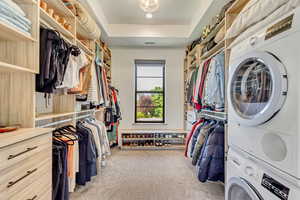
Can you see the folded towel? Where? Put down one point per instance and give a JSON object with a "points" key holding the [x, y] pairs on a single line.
{"points": [[14, 6], [10, 21], [20, 19], [12, 12]]}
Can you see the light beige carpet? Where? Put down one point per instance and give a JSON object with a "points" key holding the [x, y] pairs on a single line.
{"points": [[148, 175]]}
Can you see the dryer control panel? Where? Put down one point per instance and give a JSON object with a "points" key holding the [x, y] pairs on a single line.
{"points": [[279, 27], [275, 187]]}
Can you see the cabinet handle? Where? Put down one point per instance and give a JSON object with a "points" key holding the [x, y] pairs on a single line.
{"points": [[26, 151], [11, 183], [33, 198]]}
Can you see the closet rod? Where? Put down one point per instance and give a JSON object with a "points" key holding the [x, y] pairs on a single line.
{"points": [[84, 116], [56, 123], [214, 54]]}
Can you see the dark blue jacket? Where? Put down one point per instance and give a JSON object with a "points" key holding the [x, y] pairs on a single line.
{"points": [[210, 166]]}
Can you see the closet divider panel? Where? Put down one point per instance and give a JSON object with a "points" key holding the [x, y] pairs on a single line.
{"points": [[18, 50], [17, 99], [64, 103]]}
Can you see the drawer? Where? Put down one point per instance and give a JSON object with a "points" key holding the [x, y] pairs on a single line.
{"points": [[15, 153], [17, 177], [36, 190]]}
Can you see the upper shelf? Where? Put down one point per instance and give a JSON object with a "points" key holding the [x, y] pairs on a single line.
{"points": [[60, 8], [8, 32], [6, 67], [55, 25], [213, 51], [26, 1], [84, 47], [214, 32]]}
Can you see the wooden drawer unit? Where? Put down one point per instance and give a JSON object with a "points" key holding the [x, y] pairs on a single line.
{"points": [[37, 190], [15, 153], [16, 178], [26, 165]]}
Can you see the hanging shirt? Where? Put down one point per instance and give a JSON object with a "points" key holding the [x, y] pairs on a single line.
{"points": [[71, 78]]}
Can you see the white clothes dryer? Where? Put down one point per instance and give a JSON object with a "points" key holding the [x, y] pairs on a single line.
{"points": [[248, 179], [264, 95]]}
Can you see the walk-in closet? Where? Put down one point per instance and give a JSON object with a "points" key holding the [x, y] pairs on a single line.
{"points": [[149, 100]]}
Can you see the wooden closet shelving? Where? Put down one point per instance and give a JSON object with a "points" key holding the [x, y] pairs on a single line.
{"points": [[56, 26], [84, 47], [8, 32]]}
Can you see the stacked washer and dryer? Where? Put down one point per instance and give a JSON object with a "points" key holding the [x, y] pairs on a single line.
{"points": [[264, 114]]}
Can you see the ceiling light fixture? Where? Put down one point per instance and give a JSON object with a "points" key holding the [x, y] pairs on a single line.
{"points": [[149, 15], [149, 6]]}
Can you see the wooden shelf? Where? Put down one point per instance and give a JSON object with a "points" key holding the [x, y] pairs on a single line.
{"points": [[170, 147], [26, 1], [60, 8], [56, 115], [14, 68], [151, 139], [8, 32], [55, 25], [84, 47], [52, 115], [213, 51], [214, 32]]}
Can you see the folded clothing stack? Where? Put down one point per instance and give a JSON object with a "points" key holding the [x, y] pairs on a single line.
{"points": [[11, 14]]}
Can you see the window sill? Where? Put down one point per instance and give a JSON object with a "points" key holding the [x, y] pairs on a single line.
{"points": [[136, 124]]}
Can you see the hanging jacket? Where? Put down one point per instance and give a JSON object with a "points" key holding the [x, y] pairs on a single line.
{"points": [[205, 130], [190, 135], [214, 93], [197, 99], [54, 57], [211, 163]]}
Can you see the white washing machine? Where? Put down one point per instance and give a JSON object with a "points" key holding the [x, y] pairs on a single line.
{"points": [[264, 95], [249, 179]]}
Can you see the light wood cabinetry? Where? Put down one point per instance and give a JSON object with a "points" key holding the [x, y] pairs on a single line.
{"points": [[26, 163]]}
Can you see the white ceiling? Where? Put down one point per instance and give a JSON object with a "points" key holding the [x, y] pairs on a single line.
{"points": [[171, 12], [175, 24]]}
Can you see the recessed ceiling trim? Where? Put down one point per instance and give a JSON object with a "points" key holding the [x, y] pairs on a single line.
{"points": [[129, 31]]}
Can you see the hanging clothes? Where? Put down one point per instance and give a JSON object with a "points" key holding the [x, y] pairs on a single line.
{"points": [[214, 94], [210, 166], [198, 90], [54, 58], [189, 136]]}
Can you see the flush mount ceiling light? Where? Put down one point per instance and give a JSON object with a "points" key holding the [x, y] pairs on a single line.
{"points": [[149, 6], [149, 15]]}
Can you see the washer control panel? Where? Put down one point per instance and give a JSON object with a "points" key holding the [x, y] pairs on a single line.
{"points": [[276, 188], [279, 27]]}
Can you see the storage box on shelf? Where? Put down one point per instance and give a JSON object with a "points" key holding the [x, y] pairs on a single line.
{"points": [[152, 139]]}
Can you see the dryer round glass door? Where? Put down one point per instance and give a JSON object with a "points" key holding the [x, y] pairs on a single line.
{"points": [[239, 189], [257, 89]]}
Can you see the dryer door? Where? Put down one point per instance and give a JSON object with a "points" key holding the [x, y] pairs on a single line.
{"points": [[239, 189], [257, 88]]}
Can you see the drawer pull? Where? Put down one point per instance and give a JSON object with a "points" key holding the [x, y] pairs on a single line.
{"points": [[11, 183], [33, 198], [26, 151]]}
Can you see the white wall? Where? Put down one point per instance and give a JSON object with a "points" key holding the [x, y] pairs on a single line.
{"points": [[123, 79]]}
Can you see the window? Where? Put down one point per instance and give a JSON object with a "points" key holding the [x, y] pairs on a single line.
{"points": [[149, 91]]}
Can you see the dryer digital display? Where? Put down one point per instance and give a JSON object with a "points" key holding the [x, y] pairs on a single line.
{"points": [[280, 27], [275, 187]]}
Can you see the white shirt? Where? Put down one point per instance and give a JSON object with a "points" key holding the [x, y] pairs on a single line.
{"points": [[71, 78]]}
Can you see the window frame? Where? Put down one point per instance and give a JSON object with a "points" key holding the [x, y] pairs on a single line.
{"points": [[136, 92]]}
